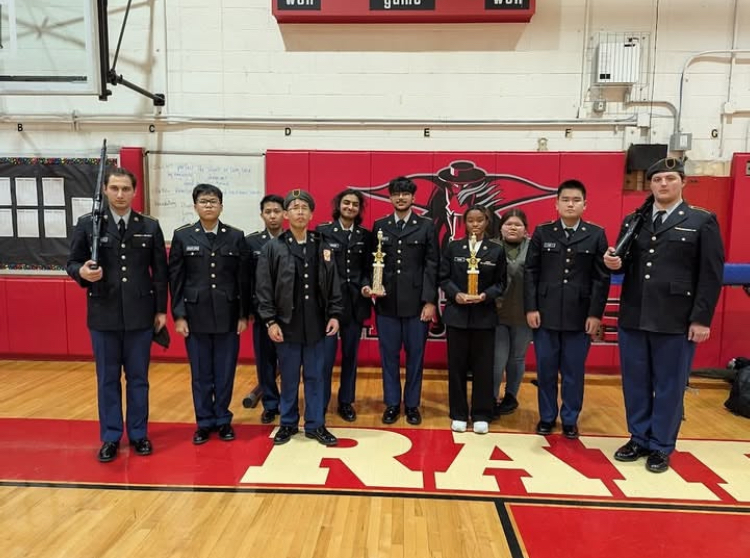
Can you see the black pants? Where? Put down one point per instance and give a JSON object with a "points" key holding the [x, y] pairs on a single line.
{"points": [[471, 349]]}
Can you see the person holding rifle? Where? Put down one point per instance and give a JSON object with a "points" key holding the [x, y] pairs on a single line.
{"points": [[127, 304], [672, 280]]}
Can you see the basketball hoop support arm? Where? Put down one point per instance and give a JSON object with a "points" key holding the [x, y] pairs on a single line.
{"points": [[107, 74]]}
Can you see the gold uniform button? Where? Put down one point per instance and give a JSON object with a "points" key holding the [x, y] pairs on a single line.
{"points": [[122, 245], [307, 297], [653, 238], [649, 264], [123, 256], [306, 275], [307, 286], [567, 271], [213, 254], [570, 249], [213, 276], [398, 271], [213, 264], [213, 286], [565, 280], [124, 268], [651, 251], [124, 279], [648, 276]]}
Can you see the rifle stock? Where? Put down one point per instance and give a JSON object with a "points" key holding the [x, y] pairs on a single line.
{"points": [[622, 249], [96, 210]]}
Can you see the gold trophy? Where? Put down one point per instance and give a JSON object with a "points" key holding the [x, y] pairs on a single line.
{"points": [[377, 268], [473, 271]]}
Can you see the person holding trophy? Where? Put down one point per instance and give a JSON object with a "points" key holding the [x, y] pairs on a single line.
{"points": [[472, 275], [407, 261]]}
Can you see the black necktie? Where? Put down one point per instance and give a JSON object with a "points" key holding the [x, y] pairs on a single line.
{"points": [[400, 225], [569, 232], [211, 237], [121, 227], [659, 219]]}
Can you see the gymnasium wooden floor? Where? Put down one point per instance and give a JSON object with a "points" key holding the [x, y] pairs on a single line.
{"points": [[384, 492]]}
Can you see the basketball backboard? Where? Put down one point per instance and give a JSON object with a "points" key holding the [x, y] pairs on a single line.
{"points": [[49, 47]]}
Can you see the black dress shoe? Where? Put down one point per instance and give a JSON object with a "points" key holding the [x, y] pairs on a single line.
{"points": [[226, 432], [544, 428], [632, 451], [142, 446], [284, 434], [570, 431], [201, 436], [347, 412], [506, 406], [108, 451], [391, 414], [322, 435], [268, 415], [413, 416], [657, 462]]}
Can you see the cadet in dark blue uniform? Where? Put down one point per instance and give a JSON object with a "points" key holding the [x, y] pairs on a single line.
{"points": [[208, 278], [471, 319], [565, 290], [352, 246], [127, 303], [403, 315], [299, 301], [266, 360], [672, 282]]}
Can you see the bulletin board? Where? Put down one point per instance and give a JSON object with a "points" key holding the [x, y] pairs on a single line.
{"points": [[171, 177], [40, 202]]}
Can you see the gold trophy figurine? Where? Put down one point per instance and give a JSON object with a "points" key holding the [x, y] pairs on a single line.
{"points": [[377, 269], [473, 271]]}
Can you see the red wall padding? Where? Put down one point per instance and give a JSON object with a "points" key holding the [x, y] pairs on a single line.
{"points": [[48, 314]]}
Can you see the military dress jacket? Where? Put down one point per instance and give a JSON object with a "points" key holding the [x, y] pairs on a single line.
{"points": [[353, 257], [565, 279], [454, 265], [133, 287], [673, 277], [209, 280], [255, 243], [411, 264]]}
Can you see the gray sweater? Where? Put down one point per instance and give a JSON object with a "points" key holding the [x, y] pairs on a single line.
{"points": [[510, 310]]}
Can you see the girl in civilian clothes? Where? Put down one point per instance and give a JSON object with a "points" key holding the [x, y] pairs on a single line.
{"points": [[512, 335]]}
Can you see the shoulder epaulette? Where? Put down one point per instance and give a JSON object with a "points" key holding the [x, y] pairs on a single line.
{"points": [[154, 219], [703, 209], [183, 227], [547, 223]]}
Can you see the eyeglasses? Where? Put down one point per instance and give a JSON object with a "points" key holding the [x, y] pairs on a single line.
{"points": [[208, 203]]}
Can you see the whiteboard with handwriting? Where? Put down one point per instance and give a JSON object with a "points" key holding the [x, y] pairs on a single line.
{"points": [[172, 177]]}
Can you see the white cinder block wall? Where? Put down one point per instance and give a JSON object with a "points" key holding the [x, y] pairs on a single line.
{"points": [[229, 61]]}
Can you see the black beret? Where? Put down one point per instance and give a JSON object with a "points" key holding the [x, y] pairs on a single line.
{"points": [[670, 164], [299, 195]]}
